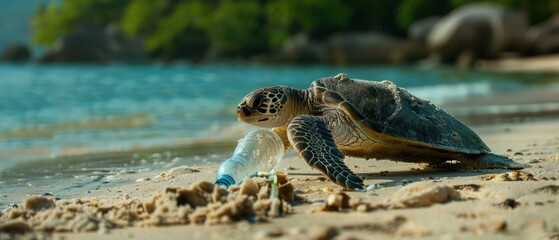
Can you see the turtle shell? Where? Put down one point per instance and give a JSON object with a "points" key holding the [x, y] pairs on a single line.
{"points": [[391, 110]]}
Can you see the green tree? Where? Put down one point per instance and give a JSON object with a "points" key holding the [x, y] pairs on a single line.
{"points": [[409, 11], [187, 28], [57, 19], [318, 18], [235, 26]]}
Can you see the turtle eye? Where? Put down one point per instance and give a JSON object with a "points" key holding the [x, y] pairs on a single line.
{"points": [[256, 101]]}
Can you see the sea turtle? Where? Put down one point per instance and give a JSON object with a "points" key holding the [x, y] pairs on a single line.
{"points": [[338, 116]]}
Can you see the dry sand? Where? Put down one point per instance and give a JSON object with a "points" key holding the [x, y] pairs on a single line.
{"points": [[410, 201], [544, 63]]}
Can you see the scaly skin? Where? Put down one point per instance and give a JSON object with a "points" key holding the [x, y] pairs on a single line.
{"points": [[323, 127]]}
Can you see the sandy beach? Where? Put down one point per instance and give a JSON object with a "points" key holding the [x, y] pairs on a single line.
{"points": [[411, 200], [116, 116]]}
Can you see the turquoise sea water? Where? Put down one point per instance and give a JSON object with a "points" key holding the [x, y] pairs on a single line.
{"points": [[47, 111], [54, 107]]}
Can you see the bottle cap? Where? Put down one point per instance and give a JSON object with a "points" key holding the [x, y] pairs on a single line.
{"points": [[225, 180]]}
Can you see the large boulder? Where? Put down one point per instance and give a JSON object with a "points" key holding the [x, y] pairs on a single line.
{"points": [[475, 31], [16, 53], [543, 38], [122, 47], [86, 43], [419, 30], [371, 47], [300, 48], [90, 42]]}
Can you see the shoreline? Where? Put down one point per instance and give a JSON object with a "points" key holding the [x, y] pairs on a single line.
{"points": [[536, 64], [479, 214]]}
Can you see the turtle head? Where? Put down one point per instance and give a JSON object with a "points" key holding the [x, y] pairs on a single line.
{"points": [[265, 107]]}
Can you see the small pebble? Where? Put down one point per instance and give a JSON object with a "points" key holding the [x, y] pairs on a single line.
{"points": [[328, 189], [266, 234], [143, 179], [404, 182], [291, 168], [510, 203], [362, 208], [324, 233]]}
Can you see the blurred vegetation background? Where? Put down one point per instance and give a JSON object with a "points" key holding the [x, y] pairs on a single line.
{"points": [[188, 28]]}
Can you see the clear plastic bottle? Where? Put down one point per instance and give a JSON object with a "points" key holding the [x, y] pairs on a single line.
{"points": [[259, 151]]}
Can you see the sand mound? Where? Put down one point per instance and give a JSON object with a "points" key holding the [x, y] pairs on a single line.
{"points": [[201, 203], [421, 194], [510, 176]]}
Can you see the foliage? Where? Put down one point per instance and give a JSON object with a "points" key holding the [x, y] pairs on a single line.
{"points": [[315, 17], [411, 10], [235, 26], [185, 28], [52, 21]]}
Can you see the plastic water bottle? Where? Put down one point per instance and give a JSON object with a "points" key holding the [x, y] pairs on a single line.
{"points": [[259, 151]]}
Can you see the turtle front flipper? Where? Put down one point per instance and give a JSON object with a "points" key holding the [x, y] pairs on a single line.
{"points": [[312, 139], [282, 133]]}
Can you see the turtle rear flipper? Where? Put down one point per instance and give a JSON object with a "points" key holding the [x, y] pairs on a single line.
{"points": [[312, 139], [490, 160]]}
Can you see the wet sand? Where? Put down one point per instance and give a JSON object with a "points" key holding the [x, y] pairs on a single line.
{"points": [[413, 201]]}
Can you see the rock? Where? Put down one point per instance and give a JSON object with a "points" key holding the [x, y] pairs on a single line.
{"points": [[122, 47], [324, 233], [421, 194], [369, 47], [38, 203], [15, 227], [543, 38], [509, 203], [336, 202], [249, 187], [269, 234], [16, 53], [300, 48], [86, 43], [419, 31], [90, 42], [476, 31]]}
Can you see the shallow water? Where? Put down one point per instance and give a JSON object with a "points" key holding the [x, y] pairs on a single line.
{"points": [[52, 111]]}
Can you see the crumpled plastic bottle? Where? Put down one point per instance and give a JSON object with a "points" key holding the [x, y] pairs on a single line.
{"points": [[259, 151]]}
